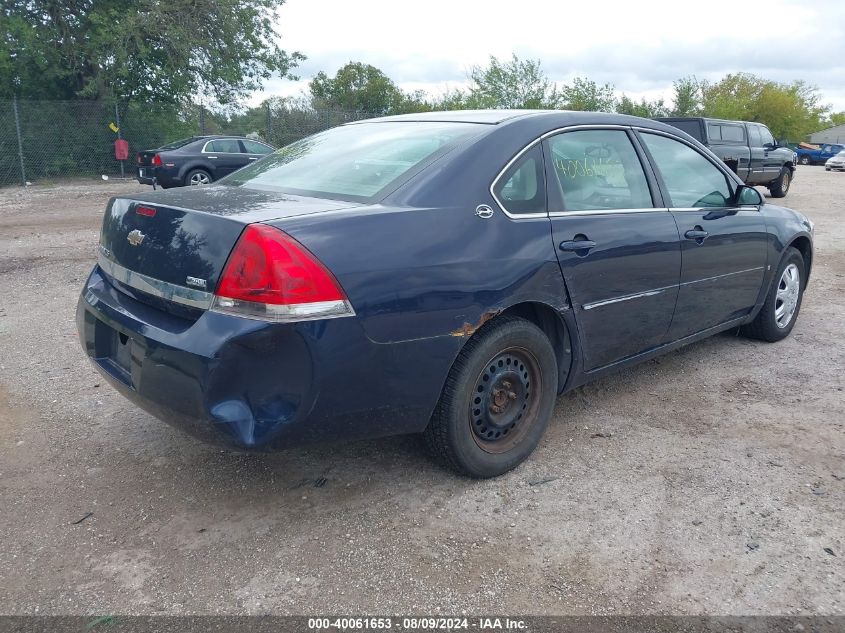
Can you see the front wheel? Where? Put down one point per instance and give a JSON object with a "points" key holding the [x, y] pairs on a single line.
{"points": [[779, 187], [780, 311], [804, 160], [497, 400]]}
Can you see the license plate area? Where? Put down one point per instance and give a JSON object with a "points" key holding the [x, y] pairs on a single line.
{"points": [[115, 352]]}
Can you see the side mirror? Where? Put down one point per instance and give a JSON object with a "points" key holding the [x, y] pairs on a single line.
{"points": [[746, 195]]}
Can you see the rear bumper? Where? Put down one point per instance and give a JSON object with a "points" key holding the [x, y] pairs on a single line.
{"points": [[253, 385], [164, 177]]}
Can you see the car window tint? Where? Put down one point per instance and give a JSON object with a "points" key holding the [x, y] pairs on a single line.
{"points": [[733, 133], [225, 146], [714, 132], [754, 136], [354, 162], [254, 147], [598, 169], [522, 188], [691, 179]]}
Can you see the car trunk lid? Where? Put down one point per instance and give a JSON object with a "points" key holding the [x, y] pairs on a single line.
{"points": [[172, 246]]}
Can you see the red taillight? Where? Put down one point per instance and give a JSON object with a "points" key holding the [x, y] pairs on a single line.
{"points": [[145, 211], [138, 157], [272, 276], [156, 160]]}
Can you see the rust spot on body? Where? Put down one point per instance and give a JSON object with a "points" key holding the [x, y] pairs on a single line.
{"points": [[468, 329]]}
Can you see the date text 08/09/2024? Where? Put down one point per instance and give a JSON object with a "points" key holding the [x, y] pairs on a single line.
{"points": [[416, 624]]}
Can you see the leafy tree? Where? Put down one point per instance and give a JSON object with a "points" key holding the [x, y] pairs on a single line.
{"points": [[514, 84], [790, 110], [587, 95], [837, 118], [687, 96], [360, 87], [645, 108], [139, 49]]}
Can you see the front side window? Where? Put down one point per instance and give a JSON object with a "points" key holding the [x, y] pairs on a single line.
{"points": [[522, 188], [598, 170], [766, 136], [691, 179], [354, 162]]}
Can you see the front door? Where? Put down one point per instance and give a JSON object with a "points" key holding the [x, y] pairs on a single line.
{"points": [[617, 245], [723, 245]]}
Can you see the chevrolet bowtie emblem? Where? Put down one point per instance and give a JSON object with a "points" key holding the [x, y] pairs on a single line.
{"points": [[135, 237]]}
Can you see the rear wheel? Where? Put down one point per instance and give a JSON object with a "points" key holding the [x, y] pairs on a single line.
{"points": [[779, 187], [497, 400], [780, 311], [198, 177]]}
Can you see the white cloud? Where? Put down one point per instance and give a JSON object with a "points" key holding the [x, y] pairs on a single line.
{"points": [[640, 47]]}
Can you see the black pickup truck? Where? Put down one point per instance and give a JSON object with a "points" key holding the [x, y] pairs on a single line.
{"points": [[749, 149]]}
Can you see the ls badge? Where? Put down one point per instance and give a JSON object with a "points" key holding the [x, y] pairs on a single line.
{"points": [[196, 281], [135, 237]]}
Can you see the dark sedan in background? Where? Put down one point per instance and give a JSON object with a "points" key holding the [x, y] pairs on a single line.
{"points": [[198, 160], [447, 273]]}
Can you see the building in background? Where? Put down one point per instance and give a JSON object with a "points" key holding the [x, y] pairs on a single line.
{"points": [[835, 134]]}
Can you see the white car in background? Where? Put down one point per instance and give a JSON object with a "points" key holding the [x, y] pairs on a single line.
{"points": [[836, 162]]}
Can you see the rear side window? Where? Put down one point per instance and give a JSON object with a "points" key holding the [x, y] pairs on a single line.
{"points": [[598, 169], [693, 128], [714, 132], [522, 188], [254, 147], [754, 136], [691, 180], [733, 133], [224, 146], [357, 162]]}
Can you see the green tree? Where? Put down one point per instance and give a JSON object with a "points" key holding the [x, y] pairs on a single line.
{"points": [[837, 118], [360, 87], [791, 111], [687, 96], [586, 95], [514, 84], [645, 108], [139, 49]]}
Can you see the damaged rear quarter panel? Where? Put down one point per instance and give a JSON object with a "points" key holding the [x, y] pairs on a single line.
{"points": [[420, 273]]}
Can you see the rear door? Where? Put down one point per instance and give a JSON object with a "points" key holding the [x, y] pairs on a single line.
{"points": [[225, 155], [617, 245], [255, 150], [723, 246]]}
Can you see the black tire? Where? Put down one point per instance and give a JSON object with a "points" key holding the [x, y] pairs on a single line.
{"points": [[198, 175], [804, 160], [767, 326], [780, 187], [497, 400]]}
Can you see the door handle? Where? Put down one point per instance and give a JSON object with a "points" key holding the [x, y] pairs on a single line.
{"points": [[253, 157], [212, 156], [697, 234], [577, 245]]}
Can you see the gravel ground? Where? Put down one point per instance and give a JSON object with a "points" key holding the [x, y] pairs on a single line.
{"points": [[717, 485]]}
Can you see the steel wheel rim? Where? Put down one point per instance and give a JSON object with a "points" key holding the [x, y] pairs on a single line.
{"points": [[505, 400], [786, 297], [199, 179]]}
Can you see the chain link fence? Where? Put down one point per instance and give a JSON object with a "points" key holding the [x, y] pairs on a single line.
{"points": [[48, 140]]}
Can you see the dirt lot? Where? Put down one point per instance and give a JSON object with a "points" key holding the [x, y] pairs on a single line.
{"points": [[719, 489]]}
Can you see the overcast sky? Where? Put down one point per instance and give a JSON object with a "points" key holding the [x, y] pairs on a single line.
{"points": [[638, 46]]}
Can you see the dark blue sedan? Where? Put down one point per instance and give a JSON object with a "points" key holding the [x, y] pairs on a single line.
{"points": [[446, 273]]}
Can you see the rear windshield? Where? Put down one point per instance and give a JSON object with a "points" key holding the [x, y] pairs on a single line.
{"points": [[180, 143], [354, 162], [693, 128]]}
